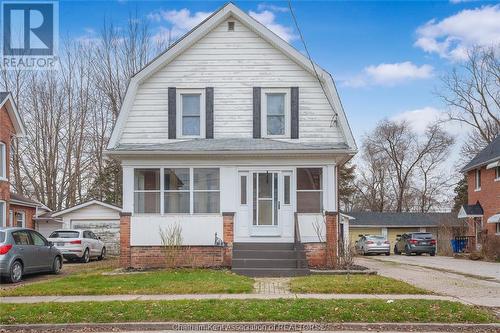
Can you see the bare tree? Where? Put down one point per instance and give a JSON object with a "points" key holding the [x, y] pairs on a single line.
{"points": [[472, 93], [394, 148]]}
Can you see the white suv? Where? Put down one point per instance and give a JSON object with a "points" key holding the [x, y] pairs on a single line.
{"points": [[76, 244]]}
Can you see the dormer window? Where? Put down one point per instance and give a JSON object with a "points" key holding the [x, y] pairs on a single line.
{"points": [[3, 161], [191, 106], [276, 112]]}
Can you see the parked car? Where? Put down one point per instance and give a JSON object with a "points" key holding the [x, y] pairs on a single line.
{"points": [[376, 244], [25, 251], [416, 242], [76, 244]]}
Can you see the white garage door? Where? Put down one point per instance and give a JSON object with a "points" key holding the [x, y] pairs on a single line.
{"points": [[108, 230]]}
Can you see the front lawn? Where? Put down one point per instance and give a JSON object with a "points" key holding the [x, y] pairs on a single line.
{"points": [[296, 310], [180, 281], [352, 284]]}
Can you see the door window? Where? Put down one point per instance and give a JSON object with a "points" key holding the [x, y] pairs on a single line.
{"points": [[265, 198], [38, 240]]}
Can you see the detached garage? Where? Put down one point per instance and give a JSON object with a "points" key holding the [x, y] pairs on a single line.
{"points": [[391, 224], [102, 218]]}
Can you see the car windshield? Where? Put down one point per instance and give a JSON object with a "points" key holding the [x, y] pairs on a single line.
{"points": [[64, 234], [2, 236], [422, 236]]}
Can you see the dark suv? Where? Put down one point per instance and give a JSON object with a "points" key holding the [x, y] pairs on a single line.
{"points": [[416, 242]]}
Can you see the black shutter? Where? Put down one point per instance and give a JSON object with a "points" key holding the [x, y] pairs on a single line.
{"points": [[172, 105], [294, 108], [256, 112], [209, 112]]}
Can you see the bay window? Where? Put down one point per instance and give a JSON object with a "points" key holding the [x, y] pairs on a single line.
{"points": [[309, 190], [147, 191]]}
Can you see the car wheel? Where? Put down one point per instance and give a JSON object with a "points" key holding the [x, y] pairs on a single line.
{"points": [[433, 254], [57, 265], [16, 272], [407, 251], [396, 250], [103, 254], [388, 254], [86, 256]]}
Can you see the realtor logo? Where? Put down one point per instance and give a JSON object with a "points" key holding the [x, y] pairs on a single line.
{"points": [[30, 34]]}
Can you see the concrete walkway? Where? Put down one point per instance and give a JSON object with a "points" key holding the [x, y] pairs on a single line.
{"points": [[468, 289], [104, 298]]}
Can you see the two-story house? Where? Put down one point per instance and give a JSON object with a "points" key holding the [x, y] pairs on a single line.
{"points": [[15, 210], [483, 179], [235, 137]]}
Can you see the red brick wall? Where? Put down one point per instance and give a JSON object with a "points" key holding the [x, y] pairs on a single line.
{"points": [[488, 196], [331, 238], [125, 254], [315, 254], [228, 237], [29, 213], [6, 132], [189, 256]]}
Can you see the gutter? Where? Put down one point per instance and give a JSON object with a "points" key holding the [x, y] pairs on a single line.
{"points": [[227, 152]]}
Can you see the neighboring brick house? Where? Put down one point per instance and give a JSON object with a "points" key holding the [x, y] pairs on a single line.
{"points": [[235, 137], [15, 209], [483, 177]]}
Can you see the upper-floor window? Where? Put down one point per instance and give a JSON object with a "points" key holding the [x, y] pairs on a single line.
{"points": [[478, 179], [191, 113], [276, 112], [497, 173], [3, 161]]}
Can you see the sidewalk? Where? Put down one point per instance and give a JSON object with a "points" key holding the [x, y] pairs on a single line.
{"points": [[104, 298]]}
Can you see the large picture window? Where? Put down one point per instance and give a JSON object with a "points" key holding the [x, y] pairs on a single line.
{"points": [[147, 191], [309, 190]]}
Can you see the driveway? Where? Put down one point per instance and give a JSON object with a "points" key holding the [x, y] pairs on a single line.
{"points": [[481, 269], [471, 281]]}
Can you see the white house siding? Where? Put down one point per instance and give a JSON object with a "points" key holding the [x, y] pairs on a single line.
{"points": [[232, 62], [201, 229]]}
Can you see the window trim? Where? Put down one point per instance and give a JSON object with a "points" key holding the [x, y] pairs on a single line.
{"points": [[187, 91], [477, 180], [321, 191], [497, 173], [3, 167], [147, 191], [497, 229], [264, 92], [23, 221]]}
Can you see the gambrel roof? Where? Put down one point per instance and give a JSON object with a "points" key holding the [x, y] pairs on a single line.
{"points": [[230, 10]]}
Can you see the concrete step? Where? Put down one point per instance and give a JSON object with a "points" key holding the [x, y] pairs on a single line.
{"points": [[271, 272], [268, 254], [269, 263], [263, 246]]}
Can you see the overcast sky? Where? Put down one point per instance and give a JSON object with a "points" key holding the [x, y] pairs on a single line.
{"points": [[386, 57]]}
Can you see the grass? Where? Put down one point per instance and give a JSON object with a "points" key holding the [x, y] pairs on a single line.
{"points": [[180, 281], [296, 310], [352, 284]]}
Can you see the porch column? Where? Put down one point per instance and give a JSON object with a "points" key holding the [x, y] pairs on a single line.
{"points": [[125, 253], [228, 237], [331, 238]]}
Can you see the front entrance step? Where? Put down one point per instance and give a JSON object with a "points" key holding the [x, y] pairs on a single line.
{"points": [[269, 259], [271, 272], [269, 263]]}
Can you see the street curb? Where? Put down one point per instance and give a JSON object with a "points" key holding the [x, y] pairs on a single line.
{"points": [[253, 326]]}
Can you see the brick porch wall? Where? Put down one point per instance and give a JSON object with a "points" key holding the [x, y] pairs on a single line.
{"points": [[315, 254], [331, 238], [125, 254], [228, 237], [189, 256]]}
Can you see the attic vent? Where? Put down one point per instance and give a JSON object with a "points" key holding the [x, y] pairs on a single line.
{"points": [[230, 26]]}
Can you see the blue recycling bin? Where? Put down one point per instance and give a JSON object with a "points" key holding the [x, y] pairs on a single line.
{"points": [[454, 245]]}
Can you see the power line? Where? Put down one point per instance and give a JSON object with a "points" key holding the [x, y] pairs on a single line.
{"points": [[335, 115]]}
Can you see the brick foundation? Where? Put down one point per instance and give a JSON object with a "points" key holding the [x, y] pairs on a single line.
{"points": [[188, 256], [228, 237], [125, 253], [331, 238]]}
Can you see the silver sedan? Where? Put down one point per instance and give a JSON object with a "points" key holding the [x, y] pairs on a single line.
{"points": [[376, 244]]}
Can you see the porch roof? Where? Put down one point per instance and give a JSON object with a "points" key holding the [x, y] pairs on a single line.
{"points": [[474, 210], [230, 145]]}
